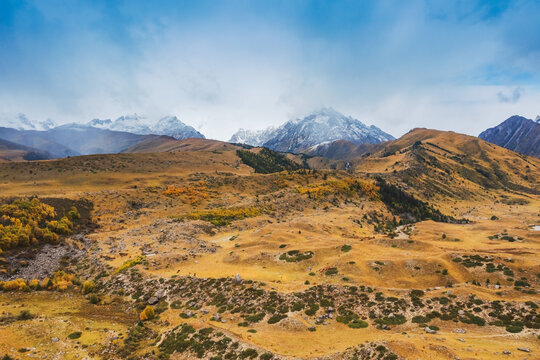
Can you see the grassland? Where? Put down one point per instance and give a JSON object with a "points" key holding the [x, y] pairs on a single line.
{"points": [[281, 265]]}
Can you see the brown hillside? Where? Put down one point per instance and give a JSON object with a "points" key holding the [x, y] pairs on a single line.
{"points": [[452, 164]]}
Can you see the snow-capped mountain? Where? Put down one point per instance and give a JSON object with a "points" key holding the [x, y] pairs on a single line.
{"points": [[135, 124], [172, 126], [321, 126], [22, 122], [516, 133], [101, 124], [252, 137]]}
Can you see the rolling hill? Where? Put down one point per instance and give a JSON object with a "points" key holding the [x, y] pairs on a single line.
{"points": [[450, 164]]}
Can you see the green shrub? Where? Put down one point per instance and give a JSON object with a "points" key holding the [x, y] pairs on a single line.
{"points": [[276, 318], [358, 324], [514, 329], [395, 320], [93, 299], [88, 286], [419, 319], [331, 271], [25, 315], [75, 335]]}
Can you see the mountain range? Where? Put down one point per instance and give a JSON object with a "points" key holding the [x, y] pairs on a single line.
{"points": [[22, 122], [322, 126], [516, 133], [135, 124], [324, 133]]}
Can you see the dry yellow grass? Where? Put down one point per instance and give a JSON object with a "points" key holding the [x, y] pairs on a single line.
{"points": [[134, 216]]}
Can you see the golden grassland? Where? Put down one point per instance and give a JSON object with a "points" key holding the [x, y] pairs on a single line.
{"points": [[157, 214]]}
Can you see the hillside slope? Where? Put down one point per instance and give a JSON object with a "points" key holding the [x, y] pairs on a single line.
{"points": [[339, 150], [10, 151], [452, 164], [168, 144]]}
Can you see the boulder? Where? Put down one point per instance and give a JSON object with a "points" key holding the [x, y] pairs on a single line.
{"points": [[237, 279], [153, 300]]}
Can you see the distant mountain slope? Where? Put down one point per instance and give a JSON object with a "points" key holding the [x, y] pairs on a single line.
{"points": [[135, 124], [10, 151], [74, 139], [339, 150], [319, 127], [450, 164], [88, 140], [516, 133], [38, 140]]}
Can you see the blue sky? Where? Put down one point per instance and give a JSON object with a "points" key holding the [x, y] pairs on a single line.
{"points": [[221, 65]]}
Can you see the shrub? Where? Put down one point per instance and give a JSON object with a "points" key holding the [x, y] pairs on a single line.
{"points": [[419, 319], [514, 329], [296, 256], [192, 194], [12, 285], [221, 216], [147, 314], [75, 335], [276, 318], [88, 286], [395, 320], [473, 319], [61, 280], [25, 315], [254, 318], [358, 324], [130, 263], [29, 222], [346, 248], [416, 293], [331, 271]]}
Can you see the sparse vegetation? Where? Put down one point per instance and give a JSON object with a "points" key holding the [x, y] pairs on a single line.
{"points": [[223, 217]]}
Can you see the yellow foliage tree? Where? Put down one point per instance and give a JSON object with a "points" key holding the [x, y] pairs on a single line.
{"points": [[147, 314]]}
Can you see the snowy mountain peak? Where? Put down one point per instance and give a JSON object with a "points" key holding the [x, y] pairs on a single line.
{"points": [[135, 124], [252, 137], [98, 123], [320, 126], [537, 119], [172, 126], [22, 122]]}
